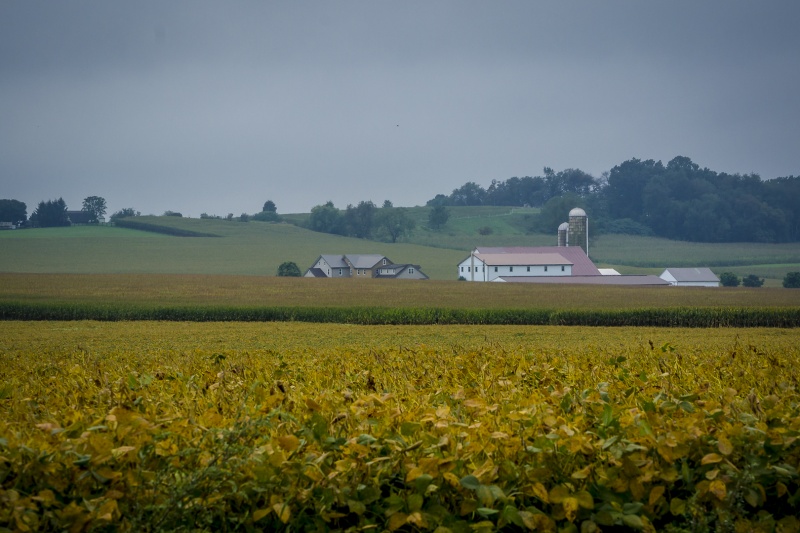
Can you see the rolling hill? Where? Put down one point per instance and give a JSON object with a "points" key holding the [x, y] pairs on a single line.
{"points": [[258, 248]]}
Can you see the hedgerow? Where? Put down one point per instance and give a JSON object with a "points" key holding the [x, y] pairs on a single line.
{"points": [[703, 317]]}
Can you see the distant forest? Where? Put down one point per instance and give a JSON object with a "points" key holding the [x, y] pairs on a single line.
{"points": [[678, 200]]}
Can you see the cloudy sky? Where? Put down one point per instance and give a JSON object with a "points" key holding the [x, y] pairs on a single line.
{"points": [[199, 106]]}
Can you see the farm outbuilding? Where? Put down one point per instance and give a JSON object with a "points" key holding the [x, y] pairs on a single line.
{"points": [[690, 277]]}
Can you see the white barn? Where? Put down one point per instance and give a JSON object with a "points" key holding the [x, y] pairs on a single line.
{"points": [[489, 266], [690, 277]]}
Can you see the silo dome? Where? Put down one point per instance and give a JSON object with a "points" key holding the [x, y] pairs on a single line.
{"points": [[564, 226], [577, 212]]}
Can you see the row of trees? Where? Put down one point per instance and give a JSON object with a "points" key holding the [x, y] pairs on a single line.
{"points": [[55, 213], [269, 213], [52, 213], [527, 191], [728, 279], [368, 221], [364, 220], [679, 200]]}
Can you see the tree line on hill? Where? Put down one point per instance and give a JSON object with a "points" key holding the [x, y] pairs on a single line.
{"points": [[364, 220], [53, 213], [678, 200]]}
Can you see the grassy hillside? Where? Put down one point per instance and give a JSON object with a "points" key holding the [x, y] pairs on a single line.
{"points": [[251, 248], [507, 227], [257, 248]]}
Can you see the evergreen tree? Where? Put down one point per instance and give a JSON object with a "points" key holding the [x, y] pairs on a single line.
{"points": [[52, 213]]}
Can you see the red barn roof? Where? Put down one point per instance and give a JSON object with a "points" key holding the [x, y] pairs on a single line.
{"points": [[581, 264]]}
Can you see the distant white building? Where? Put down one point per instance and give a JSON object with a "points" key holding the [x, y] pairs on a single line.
{"points": [[690, 277], [608, 272]]}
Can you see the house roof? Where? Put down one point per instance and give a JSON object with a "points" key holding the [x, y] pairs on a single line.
{"points": [[691, 274], [79, 217], [365, 260], [581, 264], [650, 280], [335, 261], [316, 272], [523, 259], [399, 269]]}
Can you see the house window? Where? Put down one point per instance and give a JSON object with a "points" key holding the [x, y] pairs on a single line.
{"points": [[462, 269], [329, 271], [545, 268], [340, 271], [511, 269], [384, 261], [410, 270], [562, 268], [529, 268], [495, 269]]}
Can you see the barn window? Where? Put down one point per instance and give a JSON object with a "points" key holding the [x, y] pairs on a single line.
{"points": [[545, 268], [529, 269], [511, 269], [495, 269], [562, 268]]}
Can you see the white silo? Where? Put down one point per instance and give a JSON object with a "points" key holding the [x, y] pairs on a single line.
{"points": [[563, 234], [579, 229]]}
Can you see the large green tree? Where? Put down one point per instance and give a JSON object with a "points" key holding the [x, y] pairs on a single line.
{"points": [[792, 280], [360, 219], [13, 211], [125, 212], [729, 279], [96, 207], [394, 222], [326, 218], [438, 217], [289, 269], [751, 280]]}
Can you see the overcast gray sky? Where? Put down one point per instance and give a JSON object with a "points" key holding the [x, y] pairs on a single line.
{"points": [[199, 106]]}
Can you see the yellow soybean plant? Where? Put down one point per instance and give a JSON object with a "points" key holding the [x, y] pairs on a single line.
{"points": [[148, 426]]}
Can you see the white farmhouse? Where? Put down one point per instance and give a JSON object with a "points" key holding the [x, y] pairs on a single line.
{"points": [[690, 277]]}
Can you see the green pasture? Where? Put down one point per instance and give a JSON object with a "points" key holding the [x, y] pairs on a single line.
{"points": [[241, 248], [507, 227]]}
